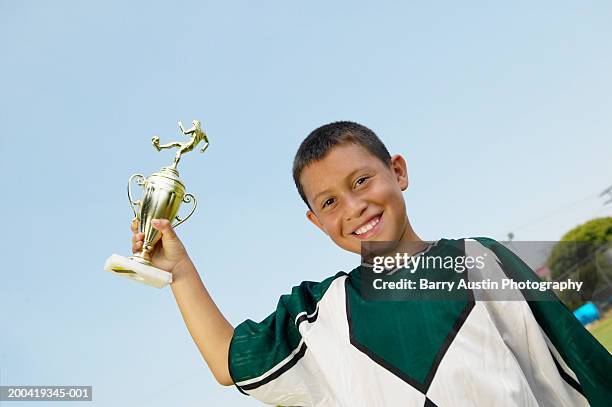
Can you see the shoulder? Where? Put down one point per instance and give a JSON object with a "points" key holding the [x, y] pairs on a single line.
{"points": [[305, 296], [487, 244], [482, 247], [484, 240], [462, 245], [482, 243]]}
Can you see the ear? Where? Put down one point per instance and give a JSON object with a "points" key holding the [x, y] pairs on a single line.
{"points": [[315, 221], [398, 166]]}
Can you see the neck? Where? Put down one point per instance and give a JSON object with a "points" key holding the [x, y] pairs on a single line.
{"points": [[408, 243], [409, 234]]}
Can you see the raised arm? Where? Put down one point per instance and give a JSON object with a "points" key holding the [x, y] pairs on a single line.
{"points": [[209, 329], [186, 132]]}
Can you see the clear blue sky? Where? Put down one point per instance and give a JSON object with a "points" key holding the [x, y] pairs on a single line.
{"points": [[502, 111]]}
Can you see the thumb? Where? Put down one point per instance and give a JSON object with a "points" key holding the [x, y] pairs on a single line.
{"points": [[164, 226]]}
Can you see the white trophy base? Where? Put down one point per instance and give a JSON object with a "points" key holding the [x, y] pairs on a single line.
{"points": [[126, 267]]}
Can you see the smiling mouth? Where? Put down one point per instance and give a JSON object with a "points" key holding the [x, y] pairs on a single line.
{"points": [[369, 228]]}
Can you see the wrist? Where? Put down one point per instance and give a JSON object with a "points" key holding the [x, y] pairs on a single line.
{"points": [[182, 267]]}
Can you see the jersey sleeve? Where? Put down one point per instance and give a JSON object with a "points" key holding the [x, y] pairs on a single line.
{"points": [[269, 360], [577, 357]]}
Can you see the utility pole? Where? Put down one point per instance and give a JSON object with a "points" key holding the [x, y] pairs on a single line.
{"points": [[608, 192]]}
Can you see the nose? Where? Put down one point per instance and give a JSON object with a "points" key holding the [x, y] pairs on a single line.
{"points": [[354, 207]]}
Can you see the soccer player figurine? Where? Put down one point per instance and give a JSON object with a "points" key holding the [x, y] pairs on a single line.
{"points": [[197, 135]]}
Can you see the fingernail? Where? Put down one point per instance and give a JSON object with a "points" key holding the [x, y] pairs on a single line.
{"points": [[155, 222]]}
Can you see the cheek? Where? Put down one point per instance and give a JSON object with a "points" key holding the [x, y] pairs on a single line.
{"points": [[392, 200], [331, 224], [384, 194], [335, 232]]}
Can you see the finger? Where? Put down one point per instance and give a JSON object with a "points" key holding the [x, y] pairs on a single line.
{"points": [[164, 226], [136, 247], [134, 225], [137, 237]]}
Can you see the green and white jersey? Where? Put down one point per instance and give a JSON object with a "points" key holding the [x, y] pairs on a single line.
{"points": [[325, 345]]}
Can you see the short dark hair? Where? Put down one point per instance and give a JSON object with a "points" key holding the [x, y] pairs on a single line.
{"points": [[318, 143]]}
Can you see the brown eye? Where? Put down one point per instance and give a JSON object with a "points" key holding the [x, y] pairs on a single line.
{"points": [[328, 202], [360, 181]]}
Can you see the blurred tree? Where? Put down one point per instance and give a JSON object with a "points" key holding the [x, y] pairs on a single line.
{"points": [[581, 256]]}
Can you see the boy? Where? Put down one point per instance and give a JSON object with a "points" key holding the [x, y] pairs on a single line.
{"points": [[326, 345]]}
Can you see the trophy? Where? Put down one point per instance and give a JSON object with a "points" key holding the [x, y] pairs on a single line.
{"points": [[163, 193]]}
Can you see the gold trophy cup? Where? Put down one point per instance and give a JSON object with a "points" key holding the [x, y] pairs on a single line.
{"points": [[163, 193]]}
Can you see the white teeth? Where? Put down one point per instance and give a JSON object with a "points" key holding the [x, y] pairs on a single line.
{"points": [[367, 227]]}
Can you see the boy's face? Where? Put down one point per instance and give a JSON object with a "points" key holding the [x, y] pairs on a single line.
{"points": [[355, 197]]}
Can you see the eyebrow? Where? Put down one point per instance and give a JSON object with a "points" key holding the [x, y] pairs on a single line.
{"points": [[328, 190]]}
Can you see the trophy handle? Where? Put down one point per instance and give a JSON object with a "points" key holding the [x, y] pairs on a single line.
{"points": [[140, 180], [187, 199]]}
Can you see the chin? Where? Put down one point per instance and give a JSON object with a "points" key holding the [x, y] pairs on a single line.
{"points": [[350, 247]]}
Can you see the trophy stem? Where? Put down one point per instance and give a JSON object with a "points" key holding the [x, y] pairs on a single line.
{"points": [[144, 257]]}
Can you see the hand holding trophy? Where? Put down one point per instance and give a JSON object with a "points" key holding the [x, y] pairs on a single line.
{"points": [[162, 196]]}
